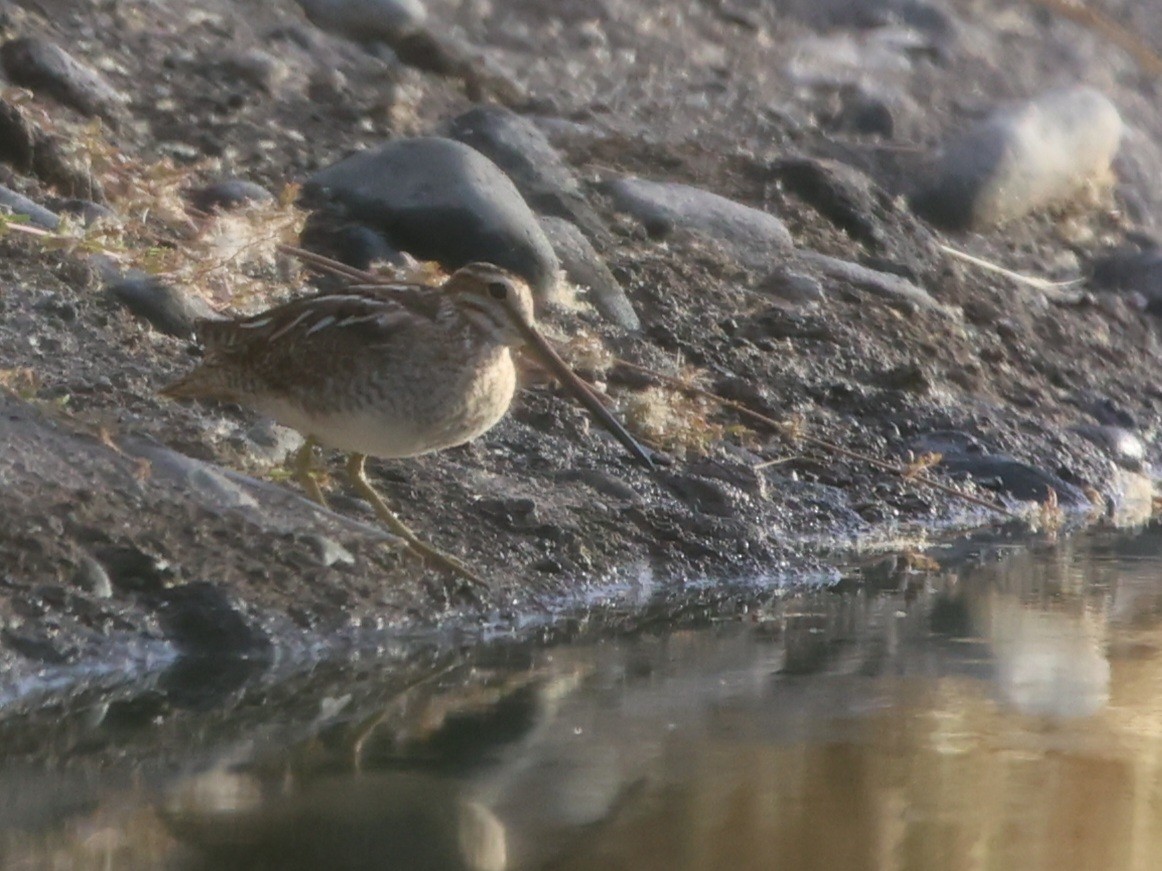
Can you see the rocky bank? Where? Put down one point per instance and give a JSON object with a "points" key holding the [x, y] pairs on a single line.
{"points": [[819, 211]]}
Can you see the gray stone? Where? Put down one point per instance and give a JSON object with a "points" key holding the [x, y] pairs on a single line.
{"points": [[166, 308], [519, 147], [439, 199], [585, 268], [663, 207], [793, 287], [366, 20], [1021, 159], [47, 68], [883, 284], [18, 204]]}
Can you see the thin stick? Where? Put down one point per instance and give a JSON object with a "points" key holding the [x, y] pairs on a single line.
{"points": [[1051, 287], [790, 432]]}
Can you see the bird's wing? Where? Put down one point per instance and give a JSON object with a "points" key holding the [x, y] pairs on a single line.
{"points": [[314, 322], [325, 336]]}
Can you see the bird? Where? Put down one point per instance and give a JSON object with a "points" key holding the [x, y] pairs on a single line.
{"points": [[388, 371]]}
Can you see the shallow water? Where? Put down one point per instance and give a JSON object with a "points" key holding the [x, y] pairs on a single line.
{"points": [[1001, 712]]}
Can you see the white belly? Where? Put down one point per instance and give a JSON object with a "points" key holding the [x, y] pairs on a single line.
{"points": [[409, 426]]}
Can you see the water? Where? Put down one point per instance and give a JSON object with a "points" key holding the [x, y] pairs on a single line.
{"points": [[1003, 713]]}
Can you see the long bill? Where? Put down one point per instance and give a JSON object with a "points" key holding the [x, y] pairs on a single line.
{"points": [[583, 393]]}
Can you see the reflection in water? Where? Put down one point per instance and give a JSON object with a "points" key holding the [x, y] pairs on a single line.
{"points": [[1006, 714], [371, 822]]}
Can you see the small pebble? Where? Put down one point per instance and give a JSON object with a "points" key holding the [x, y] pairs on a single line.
{"points": [[92, 577], [328, 551], [255, 68]]}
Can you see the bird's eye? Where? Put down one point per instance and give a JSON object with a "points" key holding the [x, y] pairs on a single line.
{"points": [[498, 290]]}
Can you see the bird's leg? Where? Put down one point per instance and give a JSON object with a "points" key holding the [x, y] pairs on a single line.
{"points": [[422, 549], [301, 468]]}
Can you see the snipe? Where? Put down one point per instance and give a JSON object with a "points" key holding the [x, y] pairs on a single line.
{"points": [[385, 371]]}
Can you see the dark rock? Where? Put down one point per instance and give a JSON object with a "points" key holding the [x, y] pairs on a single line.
{"points": [[862, 113], [753, 235], [841, 193], [440, 200], [166, 308], [229, 193], [47, 68], [298, 36], [362, 247], [366, 20], [519, 147], [1130, 270], [358, 245], [200, 619], [931, 20], [400, 26], [962, 456], [132, 569], [585, 268], [1021, 159], [18, 204]]}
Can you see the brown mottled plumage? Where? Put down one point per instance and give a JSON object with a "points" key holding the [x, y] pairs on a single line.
{"points": [[392, 371]]}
